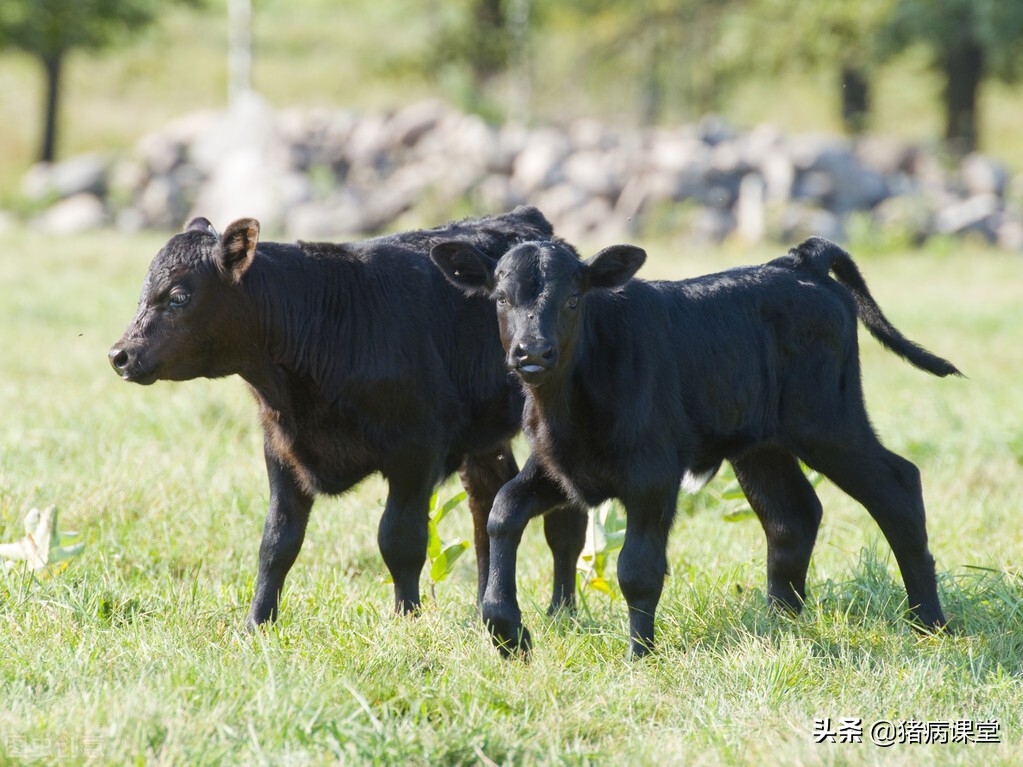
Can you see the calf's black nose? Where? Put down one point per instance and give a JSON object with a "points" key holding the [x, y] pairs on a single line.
{"points": [[119, 359], [534, 356]]}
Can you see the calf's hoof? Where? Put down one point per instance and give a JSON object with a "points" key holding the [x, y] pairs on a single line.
{"points": [[786, 603], [564, 606], [929, 622], [511, 641], [253, 624], [508, 634], [407, 607], [640, 649]]}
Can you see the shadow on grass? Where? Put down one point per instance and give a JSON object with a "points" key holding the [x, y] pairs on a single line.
{"points": [[844, 621]]}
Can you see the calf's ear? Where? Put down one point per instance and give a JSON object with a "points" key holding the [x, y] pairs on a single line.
{"points": [[467, 267], [200, 224], [614, 266], [237, 249]]}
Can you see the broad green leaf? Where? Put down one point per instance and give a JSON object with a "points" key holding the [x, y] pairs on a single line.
{"points": [[442, 564], [440, 512], [433, 542]]}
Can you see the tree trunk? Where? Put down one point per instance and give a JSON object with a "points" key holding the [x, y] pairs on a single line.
{"points": [[490, 56], [652, 96], [52, 65], [964, 69], [855, 98], [520, 86]]}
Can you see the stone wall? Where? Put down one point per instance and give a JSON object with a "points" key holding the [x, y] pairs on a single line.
{"points": [[319, 174]]}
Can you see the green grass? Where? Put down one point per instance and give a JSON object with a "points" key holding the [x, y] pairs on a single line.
{"points": [[135, 653]]}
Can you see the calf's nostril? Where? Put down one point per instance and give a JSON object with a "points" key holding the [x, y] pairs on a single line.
{"points": [[118, 359]]}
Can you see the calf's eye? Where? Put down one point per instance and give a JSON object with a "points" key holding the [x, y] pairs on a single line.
{"points": [[572, 302], [178, 298]]}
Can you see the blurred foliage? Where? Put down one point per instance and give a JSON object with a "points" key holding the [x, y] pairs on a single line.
{"points": [[49, 29], [968, 41], [802, 64], [683, 58], [670, 48]]}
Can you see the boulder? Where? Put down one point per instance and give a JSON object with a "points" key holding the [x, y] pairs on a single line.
{"points": [[75, 214]]}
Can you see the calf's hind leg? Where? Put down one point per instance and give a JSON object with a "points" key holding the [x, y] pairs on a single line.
{"points": [[565, 531], [889, 487], [402, 536], [482, 476], [790, 513], [643, 563]]}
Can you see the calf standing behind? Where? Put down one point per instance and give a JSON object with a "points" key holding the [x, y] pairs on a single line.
{"points": [[634, 387], [362, 358]]}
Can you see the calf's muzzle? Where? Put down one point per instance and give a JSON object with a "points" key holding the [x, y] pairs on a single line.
{"points": [[534, 357]]}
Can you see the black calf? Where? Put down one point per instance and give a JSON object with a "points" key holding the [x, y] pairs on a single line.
{"points": [[362, 359], [634, 387]]}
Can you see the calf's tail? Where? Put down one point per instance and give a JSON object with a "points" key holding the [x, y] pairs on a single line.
{"points": [[822, 257]]}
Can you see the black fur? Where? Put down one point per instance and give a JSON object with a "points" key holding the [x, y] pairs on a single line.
{"points": [[362, 359], [634, 387]]}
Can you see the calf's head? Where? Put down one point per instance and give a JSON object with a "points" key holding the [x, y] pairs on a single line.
{"points": [[191, 319], [540, 290]]}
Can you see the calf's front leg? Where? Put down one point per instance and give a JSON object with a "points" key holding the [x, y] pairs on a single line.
{"points": [[283, 534], [530, 494]]}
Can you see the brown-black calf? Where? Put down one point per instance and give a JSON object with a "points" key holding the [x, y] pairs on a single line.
{"points": [[362, 358], [633, 388]]}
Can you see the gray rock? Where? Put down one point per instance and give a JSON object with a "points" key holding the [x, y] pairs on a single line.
{"points": [[589, 170], [711, 225], [981, 175], [750, 209], [161, 203], [411, 123], [85, 173], [974, 215], [538, 165], [799, 221], [497, 192], [328, 173], [73, 215]]}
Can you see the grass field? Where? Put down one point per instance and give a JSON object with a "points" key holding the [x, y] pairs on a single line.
{"points": [[134, 654]]}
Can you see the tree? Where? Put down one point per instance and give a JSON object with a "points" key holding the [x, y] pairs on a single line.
{"points": [[969, 41], [669, 48], [838, 36], [50, 29]]}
